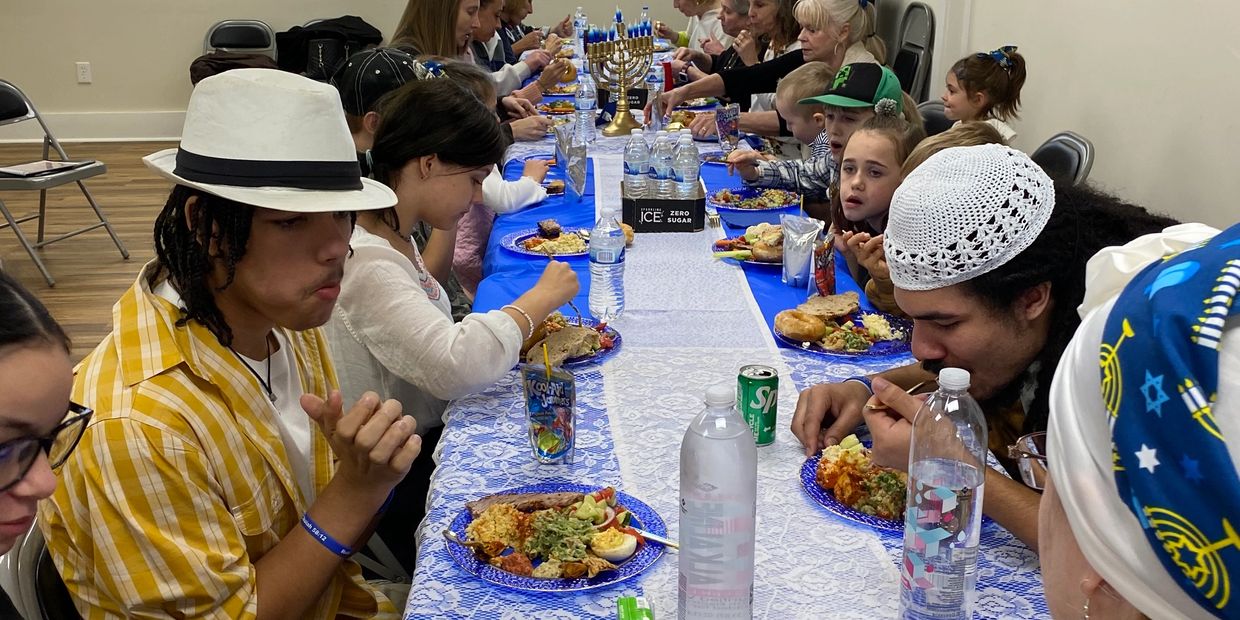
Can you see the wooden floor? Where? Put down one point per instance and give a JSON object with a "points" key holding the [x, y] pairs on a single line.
{"points": [[89, 271]]}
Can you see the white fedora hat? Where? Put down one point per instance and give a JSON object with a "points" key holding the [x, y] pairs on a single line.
{"points": [[272, 139]]}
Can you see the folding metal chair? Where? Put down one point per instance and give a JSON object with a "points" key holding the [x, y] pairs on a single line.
{"points": [[247, 36], [934, 118], [16, 107], [912, 60], [1067, 157], [32, 582]]}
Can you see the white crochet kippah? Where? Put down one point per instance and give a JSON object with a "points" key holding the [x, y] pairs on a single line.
{"points": [[964, 212]]}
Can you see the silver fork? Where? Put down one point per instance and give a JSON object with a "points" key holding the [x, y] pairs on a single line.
{"points": [[713, 220]]}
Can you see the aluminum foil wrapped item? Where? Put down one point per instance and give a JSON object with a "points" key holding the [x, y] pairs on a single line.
{"points": [[563, 138], [575, 161], [800, 237]]}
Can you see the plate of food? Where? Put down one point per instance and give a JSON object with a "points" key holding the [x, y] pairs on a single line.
{"points": [[714, 157], [663, 45], [843, 479], [555, 537], [565, 52], [701, 103], [549, 239], [746, 206], [762, 244], [561, 90], [571, 342], [834, 325], [557, 107]]}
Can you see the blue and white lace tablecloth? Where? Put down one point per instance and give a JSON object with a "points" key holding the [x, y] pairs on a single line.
{"points": [[689, 322]]}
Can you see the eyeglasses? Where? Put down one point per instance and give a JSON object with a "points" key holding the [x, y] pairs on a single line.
{"points": [[1030, 452], [17, 456]]}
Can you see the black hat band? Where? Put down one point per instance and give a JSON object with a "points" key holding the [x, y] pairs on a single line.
{"points": [[327, 175]]}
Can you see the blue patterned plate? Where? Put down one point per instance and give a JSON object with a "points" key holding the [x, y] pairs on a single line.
{"points": [[881, 348], [645, 557], [513, 243], [827, 500], [712, 157]]}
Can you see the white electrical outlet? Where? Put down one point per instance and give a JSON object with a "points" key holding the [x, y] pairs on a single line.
{"points": [[83, 73]]}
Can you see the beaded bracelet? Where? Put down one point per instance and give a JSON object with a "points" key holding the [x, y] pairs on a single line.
{"points": [[528, 320], [324, 538], [863, 381]]}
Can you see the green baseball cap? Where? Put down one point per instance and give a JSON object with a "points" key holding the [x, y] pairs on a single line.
{"points": [[862, 85]]}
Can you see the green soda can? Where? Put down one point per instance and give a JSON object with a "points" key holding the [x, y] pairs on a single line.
{"points": [[757, 399]]}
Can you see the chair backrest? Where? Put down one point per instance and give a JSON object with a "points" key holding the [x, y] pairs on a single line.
{"points": [[1067, 157], [14, 106], [31, 580], [915, 45], [241, 35], [935, 119]]}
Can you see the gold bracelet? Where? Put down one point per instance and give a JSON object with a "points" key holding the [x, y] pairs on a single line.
{"points": [[527, 319]]}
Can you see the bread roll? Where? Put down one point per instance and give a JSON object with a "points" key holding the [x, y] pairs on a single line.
{"points": [[801, 326]]}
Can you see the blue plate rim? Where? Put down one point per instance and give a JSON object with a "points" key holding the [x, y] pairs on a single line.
{"points": [[702, 159], [645, 557], [899, 347], [510, 242]]}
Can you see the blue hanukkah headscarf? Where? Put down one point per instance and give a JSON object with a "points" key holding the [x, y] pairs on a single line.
{"points": [[1159, 362]]}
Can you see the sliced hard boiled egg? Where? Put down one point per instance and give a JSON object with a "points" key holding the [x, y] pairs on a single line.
{"points": [[613, 545]]}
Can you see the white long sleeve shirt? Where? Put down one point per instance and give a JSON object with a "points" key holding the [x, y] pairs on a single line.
{"points": [[392, 332]]}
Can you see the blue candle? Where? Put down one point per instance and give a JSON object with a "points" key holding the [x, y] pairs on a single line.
{"points": [[619, 19]]}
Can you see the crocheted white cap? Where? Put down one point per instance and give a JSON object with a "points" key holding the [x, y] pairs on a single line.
{"points": [[964, 212]]}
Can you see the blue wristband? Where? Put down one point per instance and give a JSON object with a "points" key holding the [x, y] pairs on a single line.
{"points": [[323, 537], [863, 381]]}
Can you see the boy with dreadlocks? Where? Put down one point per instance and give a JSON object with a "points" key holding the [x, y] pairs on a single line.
{"points": [[998, 299], [221, 475]]}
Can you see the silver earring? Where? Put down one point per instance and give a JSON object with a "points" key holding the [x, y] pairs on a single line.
{"points": [[1085, 609]]}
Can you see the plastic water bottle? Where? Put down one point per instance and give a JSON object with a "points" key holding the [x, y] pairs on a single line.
{"points": [[587, 104], [718, 489], [636, 165], [661, 185], [607, 267], [943, 522], [685, 168], [579, 32]]}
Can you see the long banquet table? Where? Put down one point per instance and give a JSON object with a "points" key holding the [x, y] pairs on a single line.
{"points": [[689, 321]]}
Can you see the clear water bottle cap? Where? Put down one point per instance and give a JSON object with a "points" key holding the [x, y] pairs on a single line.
{"points": [[637, 131], [721, 395], [954, 378]]}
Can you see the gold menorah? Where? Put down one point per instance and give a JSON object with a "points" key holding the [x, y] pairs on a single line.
{"points": [[621, 64]]}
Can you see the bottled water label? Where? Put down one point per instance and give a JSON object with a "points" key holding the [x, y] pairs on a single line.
{"points": [[633, 169], [938, 576], [607, 256]]}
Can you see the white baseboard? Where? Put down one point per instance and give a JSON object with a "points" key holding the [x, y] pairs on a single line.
{"points": [[100, 127]]}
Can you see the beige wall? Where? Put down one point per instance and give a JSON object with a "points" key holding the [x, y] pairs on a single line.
{"points": [[140, 52], [1155, 86]]}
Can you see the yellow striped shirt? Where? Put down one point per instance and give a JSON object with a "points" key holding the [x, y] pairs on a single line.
{"points": [[181, 482]]}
